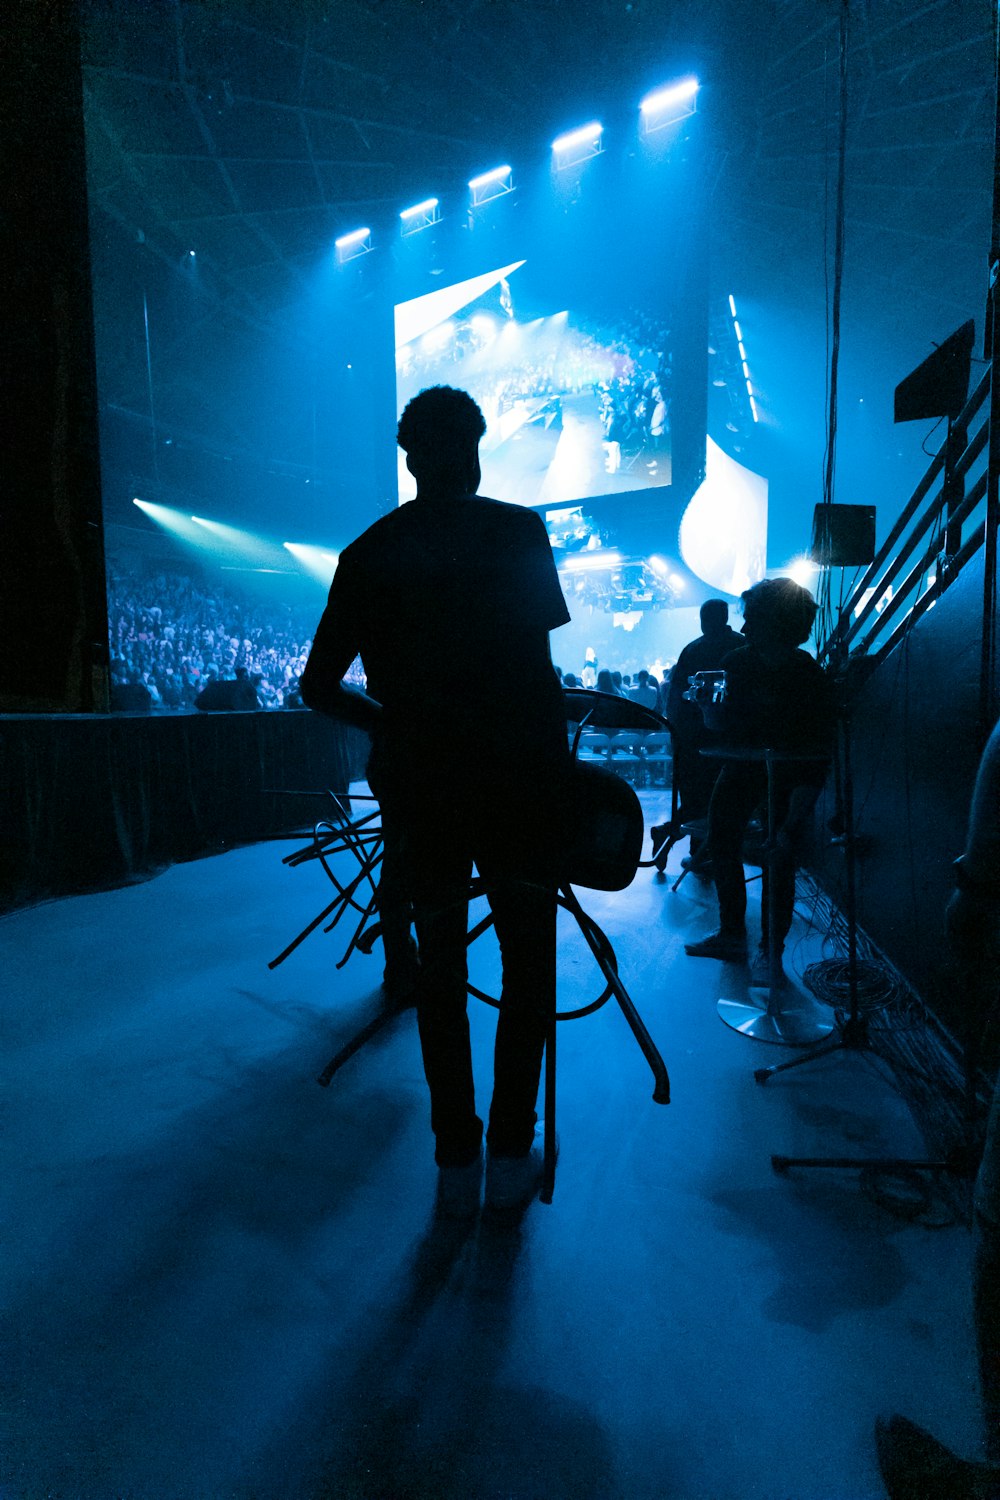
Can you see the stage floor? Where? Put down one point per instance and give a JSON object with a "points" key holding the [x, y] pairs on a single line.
{"points": [[224, 1281]]}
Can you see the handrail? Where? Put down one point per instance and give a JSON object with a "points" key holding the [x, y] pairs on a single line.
{"points": [[856, 623], [916, 574], [968, 548]]}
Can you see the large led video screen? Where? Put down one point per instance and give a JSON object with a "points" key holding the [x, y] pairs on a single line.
{"points": [[577, 400]]}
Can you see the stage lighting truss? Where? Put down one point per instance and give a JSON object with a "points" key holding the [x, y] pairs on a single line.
{"points": [[578, 146], [351, 246], [669, 105], [490, 185], [420, 216]]}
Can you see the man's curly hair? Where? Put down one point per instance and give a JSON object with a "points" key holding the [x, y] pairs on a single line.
{"points": [[439, 422], [787, 607]]}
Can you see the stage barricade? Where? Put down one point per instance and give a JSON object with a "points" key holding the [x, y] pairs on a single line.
{"points": [[91, 801]]}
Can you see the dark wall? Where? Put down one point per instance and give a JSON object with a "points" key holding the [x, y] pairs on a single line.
{"points": [[51, 551], [915, 749]]}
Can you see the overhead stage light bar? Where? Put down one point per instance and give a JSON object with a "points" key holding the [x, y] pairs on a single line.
{"points": [[489, 185], [668, 105], [350, 246], [420, 216], [578, 145]]}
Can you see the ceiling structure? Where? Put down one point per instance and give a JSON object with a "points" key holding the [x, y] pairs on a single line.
{"points": [[254, 134]]}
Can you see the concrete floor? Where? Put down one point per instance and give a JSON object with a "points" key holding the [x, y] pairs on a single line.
{"points": [[223, 1281]]}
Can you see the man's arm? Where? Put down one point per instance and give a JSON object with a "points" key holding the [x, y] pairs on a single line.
{"points": [[334, 647]]}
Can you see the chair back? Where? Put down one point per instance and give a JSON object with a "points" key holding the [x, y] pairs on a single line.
{"points": [[606, 830], [593, 746]]}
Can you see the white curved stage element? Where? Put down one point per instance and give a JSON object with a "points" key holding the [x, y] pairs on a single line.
{"points": [[723, 531]]}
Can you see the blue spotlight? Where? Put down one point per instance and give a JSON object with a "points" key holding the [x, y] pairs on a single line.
{"points": [[317, 561], [350, 246], [578, 145], [668, 105], [489, 185], [420, 216]]}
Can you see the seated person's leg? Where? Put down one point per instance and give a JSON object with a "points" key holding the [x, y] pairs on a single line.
{"points": [[792, 805], [736, 793]]}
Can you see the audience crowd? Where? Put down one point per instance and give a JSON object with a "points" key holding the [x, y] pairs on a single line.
{"points": [[172, 636]]}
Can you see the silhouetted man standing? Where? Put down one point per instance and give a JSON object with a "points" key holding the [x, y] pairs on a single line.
{"points": [[694, 773], [449, 601]]}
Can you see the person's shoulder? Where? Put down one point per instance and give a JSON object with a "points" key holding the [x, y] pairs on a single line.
{"points": [[380, 530], [808, 664], [507, 512]]}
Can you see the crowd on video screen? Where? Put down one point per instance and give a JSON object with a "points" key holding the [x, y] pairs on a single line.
{"points": [[626, 375]]}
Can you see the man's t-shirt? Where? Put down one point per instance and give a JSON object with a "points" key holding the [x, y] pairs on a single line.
{"points": [[449, 604]]}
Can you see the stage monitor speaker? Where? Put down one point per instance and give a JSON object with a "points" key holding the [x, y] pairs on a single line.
{"points": [[940, 386], [843, 535]]}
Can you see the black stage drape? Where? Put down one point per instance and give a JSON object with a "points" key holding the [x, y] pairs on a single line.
{"points": [[89, 801]]}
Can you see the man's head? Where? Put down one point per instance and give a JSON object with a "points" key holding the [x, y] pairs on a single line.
{"points": [[714, 616], [439, 432], [778, 611]]}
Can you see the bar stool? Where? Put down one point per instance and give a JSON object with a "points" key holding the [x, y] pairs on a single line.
{"points": [[790, 1018]]}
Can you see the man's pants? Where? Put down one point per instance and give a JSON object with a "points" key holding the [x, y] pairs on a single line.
{"points": [[694, 776], [739, 792], [515, 842]]}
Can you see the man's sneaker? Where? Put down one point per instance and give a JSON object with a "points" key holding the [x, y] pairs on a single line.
{"points": [[513, 1181], [731, 946], [760, 971], [459, 1190]]}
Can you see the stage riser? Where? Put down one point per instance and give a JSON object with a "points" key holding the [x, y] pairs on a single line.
{"points": [[91, 801]]}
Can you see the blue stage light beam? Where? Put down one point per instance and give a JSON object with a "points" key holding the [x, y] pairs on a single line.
{"points": [[233, 540], [668, 105], [578, 145], [320, 562], [174, 521]]}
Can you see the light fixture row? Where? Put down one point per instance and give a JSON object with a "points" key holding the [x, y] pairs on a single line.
{"points": [[743, 357], [657, 110]]}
